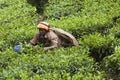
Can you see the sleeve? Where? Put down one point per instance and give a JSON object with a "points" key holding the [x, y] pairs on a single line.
{"points": [[53, 39], [35, 39]]}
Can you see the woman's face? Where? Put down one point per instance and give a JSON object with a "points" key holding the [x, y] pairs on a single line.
{"points": [[42, 31]]}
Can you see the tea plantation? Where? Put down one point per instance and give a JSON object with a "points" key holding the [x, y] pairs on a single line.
{"points": [[95, 24]]}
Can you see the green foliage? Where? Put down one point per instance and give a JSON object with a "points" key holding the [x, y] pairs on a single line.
{"points": [[63, 65], [111, 64], [115, 31], [56, 9], [95, 24], [100, 46], [39, 4], [16, 23]]}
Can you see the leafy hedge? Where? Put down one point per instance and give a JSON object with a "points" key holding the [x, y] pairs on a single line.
{"points": [[95, 24], [17, 21], [66, 64], [100, 46], [111, 64], [57, 9]]}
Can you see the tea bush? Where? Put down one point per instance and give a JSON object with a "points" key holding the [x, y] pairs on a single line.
{"points": [[66, 64], [95, 16], [100, 46], [95, 24], [115, 31], [57, 9], [16, 21], [111, 64]]}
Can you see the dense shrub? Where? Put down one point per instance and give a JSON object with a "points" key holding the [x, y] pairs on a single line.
{"points": [[39, 4], [63, 65], [95, 24], [17, 21], [115, 31], [100, 46], [111, 64], [57, 9]]}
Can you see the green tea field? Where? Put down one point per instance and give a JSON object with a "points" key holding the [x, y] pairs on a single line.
{"points": [[94, 23]]}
